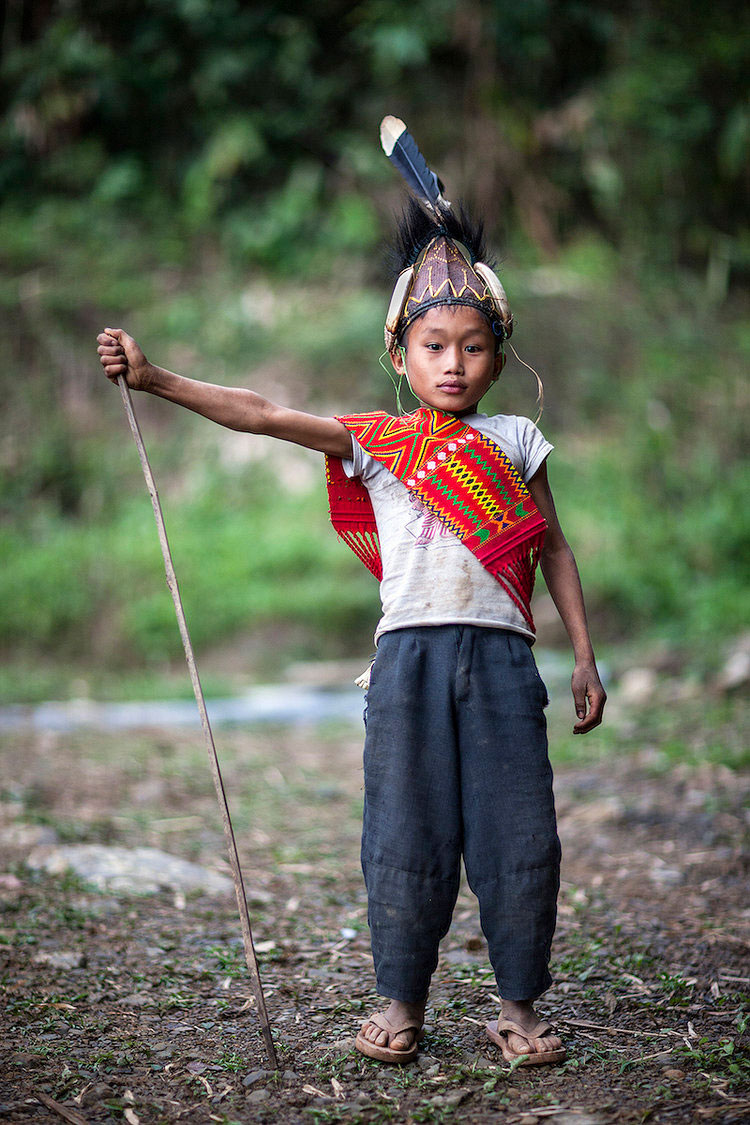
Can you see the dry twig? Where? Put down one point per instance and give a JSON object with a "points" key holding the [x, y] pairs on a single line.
{"points": [[616, 1030], [61, 1110]]}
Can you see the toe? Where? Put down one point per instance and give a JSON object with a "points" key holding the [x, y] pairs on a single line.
{"points": [[375, 1034], [546, 1043], [523, 1046], [403, 1041]]}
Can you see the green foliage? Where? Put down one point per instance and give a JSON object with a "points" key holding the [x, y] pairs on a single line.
{"points": [[252, 116], [645, 410], [208, 174], [246, 555], [724, 1060]]}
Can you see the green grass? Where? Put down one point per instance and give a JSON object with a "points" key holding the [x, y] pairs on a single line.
{"points": [[249, 559]]}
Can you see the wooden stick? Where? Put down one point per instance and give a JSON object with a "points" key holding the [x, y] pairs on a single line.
{"points": [[61, 1110], [234, 860]]}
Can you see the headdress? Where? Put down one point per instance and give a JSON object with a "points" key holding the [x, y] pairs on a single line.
{"points": [[440, 253]]}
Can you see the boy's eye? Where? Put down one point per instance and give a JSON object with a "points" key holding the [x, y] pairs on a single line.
{"points": [[433, 347]]}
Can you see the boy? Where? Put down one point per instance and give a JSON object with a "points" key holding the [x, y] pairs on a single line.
{"points": [[453, 509]]}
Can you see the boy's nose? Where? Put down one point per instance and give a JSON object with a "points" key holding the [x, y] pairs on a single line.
{"points": [[454, 359]]}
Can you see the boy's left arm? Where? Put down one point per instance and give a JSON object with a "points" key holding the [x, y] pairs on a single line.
{"points": [[564, 584]]}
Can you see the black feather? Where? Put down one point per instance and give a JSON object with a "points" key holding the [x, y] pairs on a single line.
{"points": [[416, 228], [408, 160]]}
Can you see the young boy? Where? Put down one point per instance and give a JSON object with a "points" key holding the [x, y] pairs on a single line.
{"points": [[453, 508]]}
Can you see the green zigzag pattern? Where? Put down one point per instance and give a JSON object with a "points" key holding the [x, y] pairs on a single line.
{"points": [[476, 488], [374, 428], [474, 454], [450, 495]]}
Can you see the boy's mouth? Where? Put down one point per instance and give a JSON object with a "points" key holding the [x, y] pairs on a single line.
{"points": [[452, 386]]}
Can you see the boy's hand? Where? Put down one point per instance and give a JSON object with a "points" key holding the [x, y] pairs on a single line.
{"points": [[589, 695], [119, 354]]}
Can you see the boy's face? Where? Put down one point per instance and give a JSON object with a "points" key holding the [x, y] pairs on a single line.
{"points": [[450, 358]]}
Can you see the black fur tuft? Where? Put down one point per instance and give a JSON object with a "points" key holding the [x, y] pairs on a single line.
{"points": [[417, 227]]}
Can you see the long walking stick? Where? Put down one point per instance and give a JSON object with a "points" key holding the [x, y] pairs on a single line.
{"points": [[234, 859]]}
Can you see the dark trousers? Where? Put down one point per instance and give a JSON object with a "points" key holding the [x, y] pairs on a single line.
{"points": [[456, 764]]}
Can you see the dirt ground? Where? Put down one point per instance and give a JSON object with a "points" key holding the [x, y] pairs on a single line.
{"points": [[135, 1008]]}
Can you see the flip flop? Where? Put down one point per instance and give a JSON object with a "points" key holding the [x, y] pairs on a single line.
{"points": [[498, 1030], [390, 1054]]}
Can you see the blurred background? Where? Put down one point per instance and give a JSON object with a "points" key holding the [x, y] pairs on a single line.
{"points": [[208, 174]]}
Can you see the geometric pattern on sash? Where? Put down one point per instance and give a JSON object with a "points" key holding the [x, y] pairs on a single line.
{"points": [[458, 474]]}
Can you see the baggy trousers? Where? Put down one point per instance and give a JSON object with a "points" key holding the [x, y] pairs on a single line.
{"points": [[456, 764]]}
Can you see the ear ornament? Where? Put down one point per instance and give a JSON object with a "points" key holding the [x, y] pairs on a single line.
{"points": [[396, 307], [499, 298]]}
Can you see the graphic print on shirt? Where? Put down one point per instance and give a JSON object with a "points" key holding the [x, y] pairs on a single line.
{"points": [[426, 529]]}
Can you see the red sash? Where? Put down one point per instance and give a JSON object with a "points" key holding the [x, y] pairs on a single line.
{"points": [[459, 475]]}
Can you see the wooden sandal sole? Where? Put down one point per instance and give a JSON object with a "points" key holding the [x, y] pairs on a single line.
{"points": [[388, 1054], [534, 1058]]}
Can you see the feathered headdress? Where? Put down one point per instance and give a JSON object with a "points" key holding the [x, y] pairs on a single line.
{"points": [[440, 253]]}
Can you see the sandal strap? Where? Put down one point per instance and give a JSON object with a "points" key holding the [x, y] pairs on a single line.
{"points": [[540, 1029], [393, 1030]]}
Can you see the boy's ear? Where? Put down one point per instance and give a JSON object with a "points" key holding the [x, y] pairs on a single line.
{"points": [[499, 363], [397, 359]]}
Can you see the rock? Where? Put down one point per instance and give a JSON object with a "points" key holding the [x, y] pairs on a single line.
{"points": [[96, 1094], [605, 810], [461, 956], [133, 1000], [456, 1098], [426, 1061], [21, 1058], [257, 1096], [255, 1076], [20, 835], [341, 1045], [163, 1050], [735, 672], [60, 959], [637, 686], [664, 876], [129, 870], [673, 1072], [10, 885]]}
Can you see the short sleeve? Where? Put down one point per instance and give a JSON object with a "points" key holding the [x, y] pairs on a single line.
{"points": [[534, 447], [359, 463]]}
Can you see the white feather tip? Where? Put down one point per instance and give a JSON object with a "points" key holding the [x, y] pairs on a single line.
{"points": [[391, 129]]}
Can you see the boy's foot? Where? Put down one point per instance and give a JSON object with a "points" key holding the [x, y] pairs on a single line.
{"points": [[392, 1036], [521, 1035]]}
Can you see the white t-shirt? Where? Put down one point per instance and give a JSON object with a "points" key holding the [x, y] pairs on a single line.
{"points": [[429, 576]]}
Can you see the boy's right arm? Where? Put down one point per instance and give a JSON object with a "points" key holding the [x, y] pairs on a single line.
{"points": [[232, 407]]}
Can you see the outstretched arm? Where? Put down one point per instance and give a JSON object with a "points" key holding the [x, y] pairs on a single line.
{"points": [[233, 407], [564, 584]]}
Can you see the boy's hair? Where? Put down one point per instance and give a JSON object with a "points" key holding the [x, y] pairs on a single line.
{"points": [[416, 228], [441, 259]]}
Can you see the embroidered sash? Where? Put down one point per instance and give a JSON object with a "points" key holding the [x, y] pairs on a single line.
{"points": [[460, 476]]}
